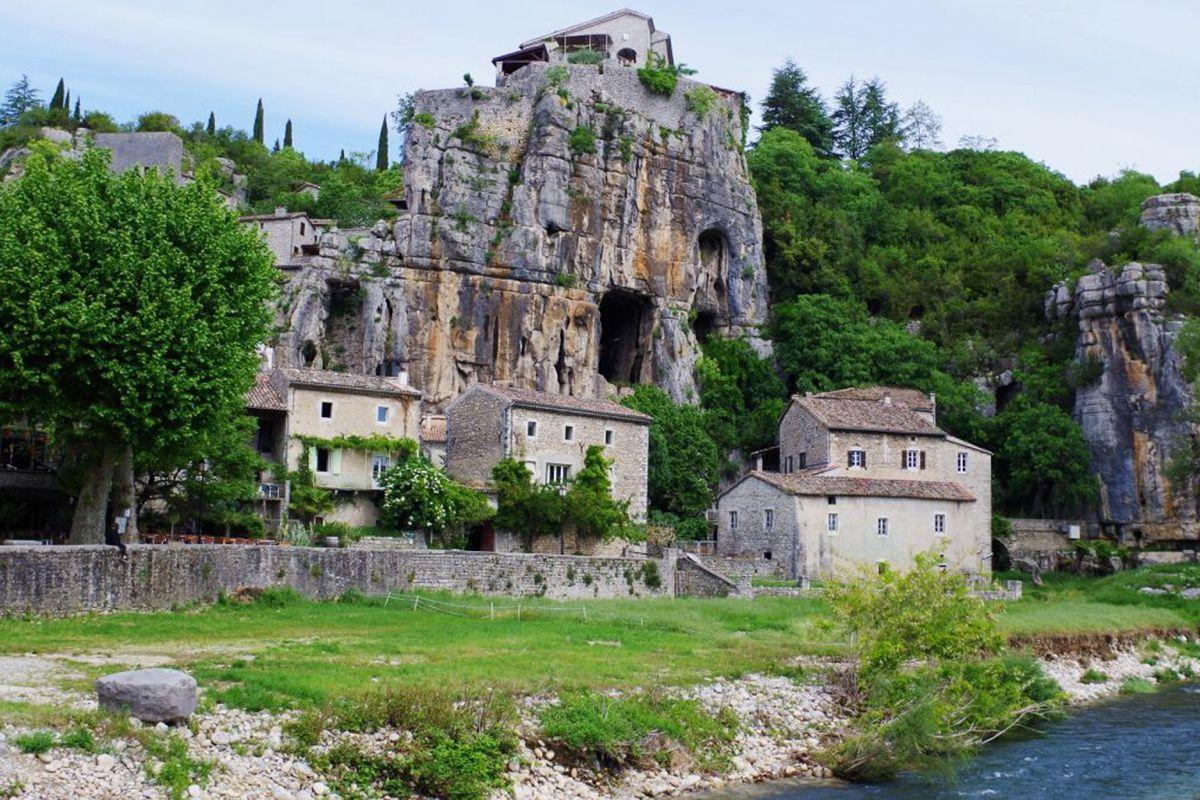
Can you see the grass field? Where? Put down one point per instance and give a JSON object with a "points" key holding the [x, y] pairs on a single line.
{"points": [[296, 653]]}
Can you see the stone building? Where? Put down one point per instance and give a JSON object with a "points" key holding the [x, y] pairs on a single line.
{"points": [[306, 416], [292, 236], [622, 38], [551, 434], [866, 477]]}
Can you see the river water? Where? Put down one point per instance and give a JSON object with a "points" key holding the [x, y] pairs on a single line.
{"points": [[1140, 747]]}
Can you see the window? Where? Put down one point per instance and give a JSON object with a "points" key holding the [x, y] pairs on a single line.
{"points": [[831, 523], [881, 526], [558, 473], [381, 413], [911, 459], [856, 459], [939, 523], [568, 433], [269, 490], [831, 500], [962, 462], [610, 436], [301, 228], [767, 555], [380, 462], [326, 409], [787, 464], [322, 459], [803, 459], [531, 429], [733, 522], [768, 519]]}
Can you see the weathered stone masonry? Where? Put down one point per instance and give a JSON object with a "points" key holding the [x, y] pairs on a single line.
{"points": [[66, 580]]}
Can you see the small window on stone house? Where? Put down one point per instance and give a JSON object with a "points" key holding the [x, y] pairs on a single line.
{"points": [[301, 228], [831, 523], [939, 523], [326, 409], [962, 462], [881, 527], [803, 460], [767, 555], [531, 429], [381, 413], [568, 433], [831, 500], [322, 459], [610, 436], [733, 515], [768, 519], [856, 459], [787, 464]]}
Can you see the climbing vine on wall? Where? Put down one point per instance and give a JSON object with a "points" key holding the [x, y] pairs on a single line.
{"points": [[375, 443]]}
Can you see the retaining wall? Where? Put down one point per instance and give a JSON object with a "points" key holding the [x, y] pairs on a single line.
{"points": [[65, 580]]}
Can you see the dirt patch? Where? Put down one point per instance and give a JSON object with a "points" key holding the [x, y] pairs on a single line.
{"points": [[1090, 645]]}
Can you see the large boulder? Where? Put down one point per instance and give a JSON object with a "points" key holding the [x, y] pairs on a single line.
{"points": [[151, 695]]}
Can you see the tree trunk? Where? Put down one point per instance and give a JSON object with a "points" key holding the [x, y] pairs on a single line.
{"points": [[91, 507], [124, 496]]}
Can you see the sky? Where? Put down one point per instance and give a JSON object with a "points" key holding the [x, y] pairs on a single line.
{"points": [[1089, 87]]}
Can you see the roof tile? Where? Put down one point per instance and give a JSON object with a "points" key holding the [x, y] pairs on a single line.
{"points": [[809, 483], [530, 398]]}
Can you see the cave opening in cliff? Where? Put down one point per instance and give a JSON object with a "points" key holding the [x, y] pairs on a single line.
{"points": [[712, 252], [703, 325], [624, 318], [308, 353]]}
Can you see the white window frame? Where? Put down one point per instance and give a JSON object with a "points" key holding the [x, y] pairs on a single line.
{"points": [[380, 463], [881, 527], [568, 433], [531, 427], [857, 458], [768, 520], [733, 521], [610, 437], [321, 409], [939, 523], [387, 415], [912, 459], [961, 462], [557, 474], [831, 523]]}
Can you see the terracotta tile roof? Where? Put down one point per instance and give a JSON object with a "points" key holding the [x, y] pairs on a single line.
{"points": [[849, 414], [528, 398], [347, 382], [589, 23], [263, 396], [433, 428], [811, 483], [910, 398]]}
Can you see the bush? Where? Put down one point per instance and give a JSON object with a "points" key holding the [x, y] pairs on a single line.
{"points": [[1093, 676], [590, 57], [619, 730], [1136, 686], [278, 597], [701, 100], [658, 76], [582, 140], [419, 496], [35, 742]]}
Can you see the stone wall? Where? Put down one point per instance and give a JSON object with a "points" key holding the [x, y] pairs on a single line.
{"points": [[750, 567], [693, 578], [65, 580]]}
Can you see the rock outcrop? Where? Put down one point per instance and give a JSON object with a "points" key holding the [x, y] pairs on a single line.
{"points": [[567, 232], [1133, 415], [1178, 213]]}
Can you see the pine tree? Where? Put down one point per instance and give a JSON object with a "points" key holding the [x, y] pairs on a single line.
{"points": [[863, 117], [78, 113], [922, 128], [342, 156], [258, 122], [792, 103], [287, 134], [381, 153], [19, 98], [67, 101], [56, 101], [211, 128]]}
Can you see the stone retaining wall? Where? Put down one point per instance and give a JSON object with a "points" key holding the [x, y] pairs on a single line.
{"points": [[66, 580]]}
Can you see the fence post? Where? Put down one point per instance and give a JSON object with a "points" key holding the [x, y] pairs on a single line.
{"points": [[518, 612], [416, 599], [492, 606]]}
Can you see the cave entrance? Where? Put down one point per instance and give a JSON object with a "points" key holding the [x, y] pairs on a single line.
{"points": [[623, 317], [712, 252], [704, 325]]}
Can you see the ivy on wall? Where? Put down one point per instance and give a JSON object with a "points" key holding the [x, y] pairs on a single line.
{"points": [[375, 443]]}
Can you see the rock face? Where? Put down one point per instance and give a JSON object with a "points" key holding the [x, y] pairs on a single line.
{"points": [[566, 232], [1179, 213], [1132, 415], [151, 695]]}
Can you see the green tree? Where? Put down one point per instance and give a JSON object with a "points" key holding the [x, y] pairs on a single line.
{"points": [[158, 121], [19, 98], [287, 134], [419, 496], [57, 99], [863, 117], [791, 103], [258, 122], [211, 127], [684, 459], [1043, 464], [133, 308], [524, 507], [741, 393], [589, 502], [381, 150], [77, 116], [306, 500]]}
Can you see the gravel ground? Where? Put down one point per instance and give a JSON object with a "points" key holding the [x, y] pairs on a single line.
{"points": [[1125, 663]]}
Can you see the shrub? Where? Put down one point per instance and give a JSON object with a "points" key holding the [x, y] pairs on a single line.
{"points": [[419, 496], [80, 739], [1136, 686], [473, 138], [35, 742], [425, 118], [590, 57], [566, 280], [701, 100], [344, 531], [558, 76], [278, 597], [618, 730], [1093, 676], [582, 140], [178, 769], [658, 76]]}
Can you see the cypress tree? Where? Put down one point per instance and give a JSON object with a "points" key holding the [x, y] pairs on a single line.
{"points": [[78, 114], [258, 122], [381, 154], [342, 156], [211, 128], [56, 101], [287, 134], [275, 149], [66, 106]]}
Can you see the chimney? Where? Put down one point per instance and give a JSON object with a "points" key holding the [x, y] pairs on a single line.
{"points": [[403, 377]]}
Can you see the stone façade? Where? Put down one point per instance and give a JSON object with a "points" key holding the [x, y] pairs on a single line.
{"points": [[1133, 414], [520, 258]]}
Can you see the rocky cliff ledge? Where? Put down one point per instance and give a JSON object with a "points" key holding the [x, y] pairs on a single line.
{"points": [[566, 232], [1179, 213], [1132, 416]]}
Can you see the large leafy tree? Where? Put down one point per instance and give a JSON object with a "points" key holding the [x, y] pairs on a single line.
{"points": [[132, 310], [524, 507], [589, 501], [791, 103]]}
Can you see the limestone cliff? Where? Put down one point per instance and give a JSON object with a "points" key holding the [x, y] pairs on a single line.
{"points": [[1132, 416], [565, 232]]}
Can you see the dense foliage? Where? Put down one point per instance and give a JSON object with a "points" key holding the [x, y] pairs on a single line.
{"points": [[419, 496]]}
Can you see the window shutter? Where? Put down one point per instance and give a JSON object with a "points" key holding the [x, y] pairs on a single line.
{"points": [[312, 459], [335, 462], [922, 459], [864, 459], [849, 458]]}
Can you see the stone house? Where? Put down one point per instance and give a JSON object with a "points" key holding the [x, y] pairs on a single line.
{"points": [[291, 235], [621, 38], [865, 478], [433, 439], [550, 433], [302, 414]]}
